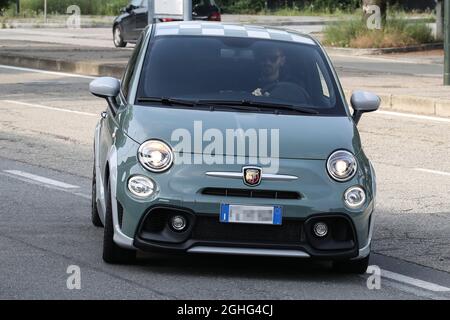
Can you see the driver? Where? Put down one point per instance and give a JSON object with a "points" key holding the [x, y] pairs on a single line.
{"points": [[271, 61]]}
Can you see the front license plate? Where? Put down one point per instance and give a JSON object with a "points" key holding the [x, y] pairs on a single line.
{"points": [[230, 213]]}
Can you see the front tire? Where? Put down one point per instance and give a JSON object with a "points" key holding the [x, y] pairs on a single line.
{"points": [[118, 38], [112, 253], [352, 266]]}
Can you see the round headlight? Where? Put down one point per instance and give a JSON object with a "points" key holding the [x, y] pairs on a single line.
{"points": [[354, 197], [141, 186], [155, 155], [342, 166]]}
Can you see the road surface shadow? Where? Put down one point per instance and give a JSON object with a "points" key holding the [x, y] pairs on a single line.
{"points": [[276, 268]]}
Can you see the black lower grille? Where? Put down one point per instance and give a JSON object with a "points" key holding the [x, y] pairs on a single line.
{"points": [[210, 228], [251, 193]]}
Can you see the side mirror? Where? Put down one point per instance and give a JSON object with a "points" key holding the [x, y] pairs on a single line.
{"points": [[107, 88], [363, 102], [123, 10]]}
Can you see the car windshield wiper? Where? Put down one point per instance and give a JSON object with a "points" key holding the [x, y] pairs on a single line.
{"points": [[242, 105], [181, 102], [168, 101], [260, 105]]}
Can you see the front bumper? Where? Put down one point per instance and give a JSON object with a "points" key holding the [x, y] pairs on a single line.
{"points": [[205, 234], [181, 188]]}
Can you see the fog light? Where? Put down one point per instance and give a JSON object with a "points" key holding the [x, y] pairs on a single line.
{"points": [[354, 197], [179, 223], [141, 186], [320, 229]]}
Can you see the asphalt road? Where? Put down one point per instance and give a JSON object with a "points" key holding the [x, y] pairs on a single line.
{"points": [[46, 132]]}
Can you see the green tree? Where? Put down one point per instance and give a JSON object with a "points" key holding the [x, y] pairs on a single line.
{"points": [[4, 4]]}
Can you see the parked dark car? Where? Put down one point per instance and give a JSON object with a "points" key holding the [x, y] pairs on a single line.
{"points": [[133, 19]]}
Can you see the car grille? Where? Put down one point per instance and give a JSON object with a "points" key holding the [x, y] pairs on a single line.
{"points": [[249, 193], [209, 228]]}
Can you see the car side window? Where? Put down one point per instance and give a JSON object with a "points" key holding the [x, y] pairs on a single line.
{"points": [[129, 71]]}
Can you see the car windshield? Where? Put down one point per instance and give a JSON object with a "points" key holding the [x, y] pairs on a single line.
{"points": [[239, 71]]}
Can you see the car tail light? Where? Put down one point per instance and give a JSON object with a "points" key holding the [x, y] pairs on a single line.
{"points": [[215, 16], [166, 19]]}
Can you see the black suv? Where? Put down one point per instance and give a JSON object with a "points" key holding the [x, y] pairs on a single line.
{"points": [[133, 19]]}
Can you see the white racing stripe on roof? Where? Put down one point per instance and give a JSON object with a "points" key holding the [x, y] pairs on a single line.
{"points": [[166, 31], [233, 27], [231, 30], [190, 26], [283, 32], [258, 34], [300, 39], [213, 32]]}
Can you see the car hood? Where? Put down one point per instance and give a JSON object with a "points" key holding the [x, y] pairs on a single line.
{"points": [[300, 137]]}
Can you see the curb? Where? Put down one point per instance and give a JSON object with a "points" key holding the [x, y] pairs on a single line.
{"points": [[32, 25], [413, 104], [402, 103], [286, 23], [362, 52], [78, 67]]}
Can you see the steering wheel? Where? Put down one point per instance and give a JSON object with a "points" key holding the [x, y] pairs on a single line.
{"points": [[287, 91]]}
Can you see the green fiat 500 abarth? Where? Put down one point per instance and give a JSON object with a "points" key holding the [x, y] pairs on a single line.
{"points": [[230, 139]]}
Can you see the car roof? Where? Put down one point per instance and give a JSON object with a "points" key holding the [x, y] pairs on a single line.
{"points": [[203, 28]]}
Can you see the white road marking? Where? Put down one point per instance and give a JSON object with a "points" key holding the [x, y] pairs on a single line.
{"points": [[418, 292], [41, 180], [433, 171], [32, 105], [47, 72], [413, 282], [413, 116], [71, 191]]}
